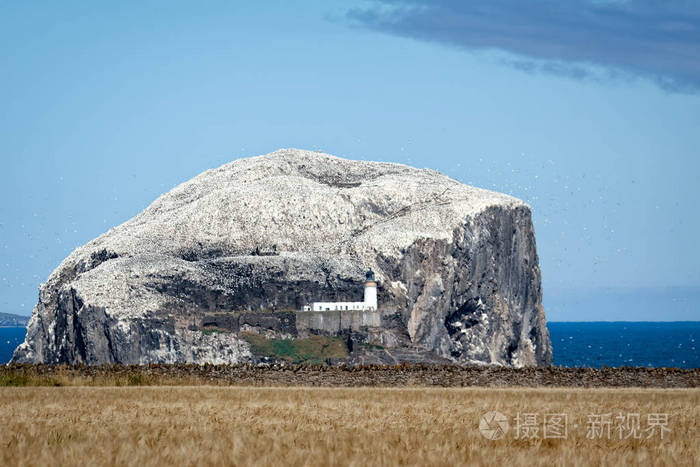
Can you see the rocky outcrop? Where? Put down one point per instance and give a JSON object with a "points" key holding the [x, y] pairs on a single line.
{"points": [[457, 267]]}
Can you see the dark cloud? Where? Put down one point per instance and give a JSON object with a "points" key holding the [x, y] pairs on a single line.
{"points": [[658, 39]]}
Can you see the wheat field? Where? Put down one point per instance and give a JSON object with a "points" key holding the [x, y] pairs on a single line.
{"points": [[208, 425]]}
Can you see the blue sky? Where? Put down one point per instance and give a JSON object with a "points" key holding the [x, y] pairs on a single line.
{"points": [[107, 105]]}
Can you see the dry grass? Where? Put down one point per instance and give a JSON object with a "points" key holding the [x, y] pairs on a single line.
{"points": [[207, 425]]}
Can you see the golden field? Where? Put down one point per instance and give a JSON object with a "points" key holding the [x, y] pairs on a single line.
{"points": [[212, 425]]}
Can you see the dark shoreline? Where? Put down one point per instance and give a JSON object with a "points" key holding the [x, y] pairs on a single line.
{"points": [[345, 376]]}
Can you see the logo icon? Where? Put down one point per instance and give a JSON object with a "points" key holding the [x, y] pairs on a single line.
{"points": [[493, 425]]}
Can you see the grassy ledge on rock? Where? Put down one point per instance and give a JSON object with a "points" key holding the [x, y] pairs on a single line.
{"points": [[313, 350]]}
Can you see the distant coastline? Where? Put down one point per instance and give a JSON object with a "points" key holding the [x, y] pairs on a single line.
{"points": [[8, 320]]}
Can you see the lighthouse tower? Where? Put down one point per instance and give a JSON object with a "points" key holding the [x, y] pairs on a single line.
{"points": [[370, 291]]}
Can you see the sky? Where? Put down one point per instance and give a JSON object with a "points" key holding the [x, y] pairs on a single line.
{"points": [[587, 110]]}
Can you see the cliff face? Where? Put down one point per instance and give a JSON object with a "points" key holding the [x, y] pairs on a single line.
{"points": [[457, 268]]}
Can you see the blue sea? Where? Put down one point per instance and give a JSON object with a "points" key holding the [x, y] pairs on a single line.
{"points": [[613, 344], [624, 343], [10, 338]]}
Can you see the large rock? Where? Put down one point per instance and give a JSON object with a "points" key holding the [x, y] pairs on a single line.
{"points": [[457, 266]]}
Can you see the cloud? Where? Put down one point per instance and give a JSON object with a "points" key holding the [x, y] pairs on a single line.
{"points": [[657, 39]]}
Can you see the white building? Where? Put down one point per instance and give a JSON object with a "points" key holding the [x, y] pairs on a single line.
{"points": [[369, 304]]}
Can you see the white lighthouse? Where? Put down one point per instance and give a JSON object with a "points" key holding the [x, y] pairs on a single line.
{"points": [[369, 303], [370, 291]]}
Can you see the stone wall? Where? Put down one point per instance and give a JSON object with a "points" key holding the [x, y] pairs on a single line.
{"points": [[334, 322], [294, 324], [282, 322]]}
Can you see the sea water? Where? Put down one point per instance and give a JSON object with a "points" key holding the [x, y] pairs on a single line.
{"points": [[10, 338], [615, 344]]}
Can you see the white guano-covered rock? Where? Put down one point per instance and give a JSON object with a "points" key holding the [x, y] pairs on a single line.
{"points": [[457, 265]]}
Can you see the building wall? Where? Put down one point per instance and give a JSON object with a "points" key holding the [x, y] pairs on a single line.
{"points": [[344, 306], [336, 321], [369, 303]]}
